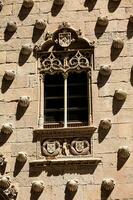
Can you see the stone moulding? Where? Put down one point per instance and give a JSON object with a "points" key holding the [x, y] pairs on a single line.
{"points": [[65, 132], [75, 160]]}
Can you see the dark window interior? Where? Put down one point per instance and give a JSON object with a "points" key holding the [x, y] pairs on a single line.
{"points": [[77, 98], [54, 98]]}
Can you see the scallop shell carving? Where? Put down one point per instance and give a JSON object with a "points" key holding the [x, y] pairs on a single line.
{"points": [[28, 3], [131, 18], [22, 157], [108, 184], [37, 186], [9, 75], [105, 70], [103, 21], [24, 101], [105, 124], [118, 43], [72, 185], [124, 152], [26, 49], [7, 128], [5, 182], [120, 94], [40, 24], [11, 26]]}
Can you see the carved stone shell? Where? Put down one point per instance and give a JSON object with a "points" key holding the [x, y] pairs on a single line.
{"points": [[105, 124], [7, 128], [28, 3], [2, 159], [22, 157], [72, 185], [11, 26], [24, 101], [123, 152], [120, 94], [1, 5], [105, 70], [40, 24], [131, 18], [5, 182], [108, 184], [26, 49], [118, 43], [103, 21], [9, 75], [37, 186], [59, 2]]}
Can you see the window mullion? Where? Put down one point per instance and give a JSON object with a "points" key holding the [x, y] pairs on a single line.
{"points": [[65, 101]]}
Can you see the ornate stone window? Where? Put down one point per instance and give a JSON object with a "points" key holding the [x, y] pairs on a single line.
{"points": [[65, 62]]}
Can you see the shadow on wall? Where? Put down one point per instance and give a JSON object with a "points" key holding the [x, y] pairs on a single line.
{"points": [[116, 105], [5, 85], [113, 5], [129, 30], [36, 34], [55, 10], [114, 54], [24, 12], [55, 170], [18, 167], [90, 4]]}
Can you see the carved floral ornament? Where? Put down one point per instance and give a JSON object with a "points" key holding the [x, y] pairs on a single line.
{"points": [[70, 52]]}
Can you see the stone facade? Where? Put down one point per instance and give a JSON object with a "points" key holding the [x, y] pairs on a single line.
{"points": [[24, 26]]}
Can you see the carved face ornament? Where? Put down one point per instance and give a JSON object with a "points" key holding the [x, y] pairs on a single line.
{"points": [[51, 147], [79, 146]]}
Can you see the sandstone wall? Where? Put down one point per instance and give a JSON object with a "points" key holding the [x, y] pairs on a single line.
{"points": [[80, 14]]}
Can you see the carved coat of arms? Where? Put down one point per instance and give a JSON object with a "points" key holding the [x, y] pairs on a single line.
{"points": [[79, 146], [51, 147], [65, 39]]}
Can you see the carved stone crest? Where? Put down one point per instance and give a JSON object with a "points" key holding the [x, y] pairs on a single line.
{"points": [[80, 147], [65, 39], [51, 148]]}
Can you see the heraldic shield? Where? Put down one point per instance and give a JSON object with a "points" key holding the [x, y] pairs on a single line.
{"points": [[79, 146], [65, 39], [51, 147]]}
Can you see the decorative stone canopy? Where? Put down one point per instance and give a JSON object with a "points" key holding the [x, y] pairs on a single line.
{"points": [[64, 51]]}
